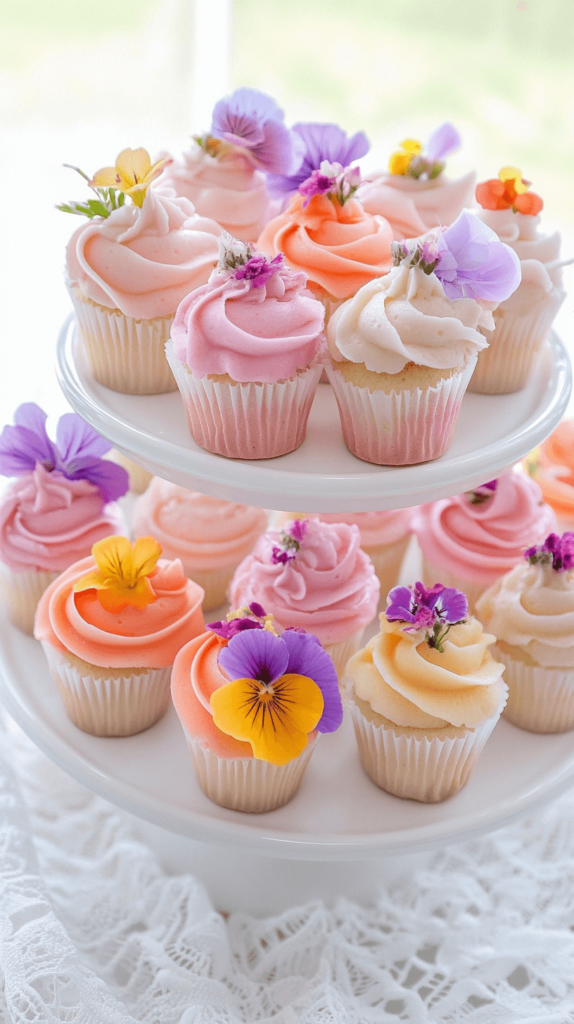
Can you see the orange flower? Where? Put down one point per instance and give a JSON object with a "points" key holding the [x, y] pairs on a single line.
{"points": [[121, 577], [508, 191]]}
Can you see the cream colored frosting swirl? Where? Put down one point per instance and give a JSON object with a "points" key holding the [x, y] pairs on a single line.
{"points": [[522, 232], [416, 686], [532, 608], [413, 206], [405, 317]]}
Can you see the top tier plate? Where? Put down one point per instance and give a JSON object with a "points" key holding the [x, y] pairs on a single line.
{"points": [[321, 476]]}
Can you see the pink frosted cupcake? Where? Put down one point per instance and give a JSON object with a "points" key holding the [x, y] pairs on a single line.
{"points": [[128, 270], [61, 501], [415, 195], [471, 540], [314, 576], [405, 347], [552, 466], [210, 536], [246, 355]]}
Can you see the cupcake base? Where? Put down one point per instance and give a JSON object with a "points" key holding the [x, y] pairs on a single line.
{"points": [[539, 699], [343, 650], [215, 583], [387, 560], [20, 593]]}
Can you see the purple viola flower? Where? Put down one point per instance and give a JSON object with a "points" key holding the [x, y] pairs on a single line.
{"points": [[252, 120], [238, 623], [443, 141], [77, 452], [474, 263], [451, 605], [259, 269], [265, 657], [556, 550], [430, 609], [321, 142]]}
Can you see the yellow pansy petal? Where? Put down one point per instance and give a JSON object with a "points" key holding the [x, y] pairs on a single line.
{"points": [[146, 552], [399, 163], [106, 176], [115, 598], [156, 169], [91, 580], [509, 173], [132, 165], [113, 556], [302, 700], [411, 145]]}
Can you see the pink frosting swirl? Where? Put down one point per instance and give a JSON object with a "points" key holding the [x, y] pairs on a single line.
{"points": [[330, 588], [260, 334], [413, 207], [143, 261], [482, 542], [376, 528], [47, 521]]}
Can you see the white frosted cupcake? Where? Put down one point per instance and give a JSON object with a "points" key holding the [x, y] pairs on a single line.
{"points": [[531, 609], [425, 694]]}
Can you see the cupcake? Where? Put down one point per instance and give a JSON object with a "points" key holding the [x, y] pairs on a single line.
{"points": [[111, 626], [128, 270], [425, 694], [62, 499], [325, 231], [252, 706], [523, 320], [313, 576], [552, 466], [223, 174], [246, 354], [415, 195], [531, 609], [210, 536], [405, 347], [471, 540]]}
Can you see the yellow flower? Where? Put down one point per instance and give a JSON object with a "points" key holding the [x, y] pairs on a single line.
{"points": [[121, 577], [514, 175], [132, 174], [275, 718], [400, 161]]}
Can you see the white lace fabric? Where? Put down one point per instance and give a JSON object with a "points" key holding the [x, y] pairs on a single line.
{"points": [[93, 932]]}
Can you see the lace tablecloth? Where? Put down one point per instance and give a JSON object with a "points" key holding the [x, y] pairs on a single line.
{"points": [[92, 930]]}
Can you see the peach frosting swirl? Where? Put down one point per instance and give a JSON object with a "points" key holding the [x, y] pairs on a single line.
{"points": [[260, 334], [147, 637], [47, 521], [144, 261], [554, 470], [413, 207], [532, 608], [340, 248], [330, 588], [416, 686], [406, 317], [206, 533], [481, 542]]}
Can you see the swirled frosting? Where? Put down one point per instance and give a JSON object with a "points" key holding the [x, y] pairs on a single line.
{"points": [[47, 521], [330, 588], [405, 317], [143, 261], [340, 248], [417, 686], [376, 528], [260, 334], [413, 206], [147, 637], [532, 608], [483, 541], [554, 472], [227, 188], [206, 533], [522, 232]]}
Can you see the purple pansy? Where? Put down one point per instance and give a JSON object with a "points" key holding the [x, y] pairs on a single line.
{"points": [[252, 120], [431, 609], [321, 142], [259, 269], [229, 627], [262, 656], [443, 141], [556, 550], [76, 453], [290, 540], [473, 262]]}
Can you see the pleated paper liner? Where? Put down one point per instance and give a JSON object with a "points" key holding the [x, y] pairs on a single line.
{"points": [[539, 699], [437, 574], [20, 593]]}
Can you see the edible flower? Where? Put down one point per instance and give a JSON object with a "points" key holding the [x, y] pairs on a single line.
{"points": [[321, 142], [282, 688], [290, 540], [508, 191], [333, 180], [483, 493], [121, 577], [76, 453], [244, 262], [556, 551], [132, 174], [251, 616], [434, 610], [253, 122], [411, 159]]}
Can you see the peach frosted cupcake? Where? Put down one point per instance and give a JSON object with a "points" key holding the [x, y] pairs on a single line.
{"points": [[405, 347], [314, 576], [252, 706], [552, 466], [128, 269], [425, 694], [471, 540], [531, 609], [209, 535], [111, 626], [415, 195]]}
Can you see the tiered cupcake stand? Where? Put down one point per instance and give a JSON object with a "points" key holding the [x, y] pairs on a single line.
{"points": [[340, 835]]}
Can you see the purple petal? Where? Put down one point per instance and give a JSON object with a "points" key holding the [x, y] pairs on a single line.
{"points": [[399, 607], [444, 140], [321, 142], [256, 609], [452, 605], [76, 439], [253, 120], [307, 658], [255, 654], [26, 443], [486, 268], [111, 480]]}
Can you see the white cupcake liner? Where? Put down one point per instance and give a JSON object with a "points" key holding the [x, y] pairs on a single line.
{"points": [[387, 560], [245, 783], [404, 427], [343, 650], [215, 583], [121, 704], [246, 421], [539, 699], [140, 479], [513, 350], [20, 593], [125, 355], [437, 574], [415, 765]]}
